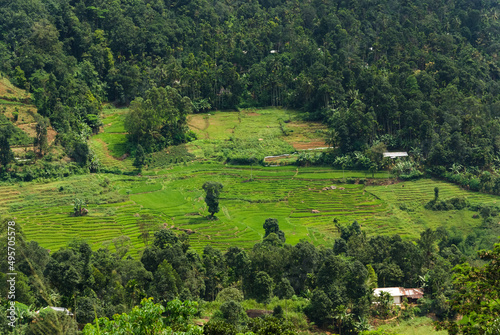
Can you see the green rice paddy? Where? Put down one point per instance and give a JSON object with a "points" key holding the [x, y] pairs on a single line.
{"points": [[304, 207], [305, 200]]}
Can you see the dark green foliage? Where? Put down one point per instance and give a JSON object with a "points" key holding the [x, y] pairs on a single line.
{"points": [[215, 273], [140, 157], [476, 295], [232, 312], [283, 289], [320, 308], [346, 232], [6, 155], [159, 119], [212, 190], [41, 134], [278, 312], [219, 327], [164, 238], [166, 282], [271, 226], [263, 287], [447, 205]]}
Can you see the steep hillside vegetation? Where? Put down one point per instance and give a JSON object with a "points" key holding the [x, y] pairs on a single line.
{"points": [[420, 76]]}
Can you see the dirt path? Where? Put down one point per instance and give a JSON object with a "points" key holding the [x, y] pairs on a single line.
{"points": [[106, 150]]}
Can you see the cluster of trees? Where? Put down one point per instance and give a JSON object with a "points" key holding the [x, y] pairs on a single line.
{"points": [[410, 74], [336, 280]]}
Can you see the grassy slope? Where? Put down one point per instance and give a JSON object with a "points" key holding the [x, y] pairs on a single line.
{"points": [[213, 129], [111, 144], [14, 99], [416, 326], [174, 197], [415, 194]]}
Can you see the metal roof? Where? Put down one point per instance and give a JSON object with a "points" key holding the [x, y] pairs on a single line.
{"points": [[414, 293], [395, 154]]}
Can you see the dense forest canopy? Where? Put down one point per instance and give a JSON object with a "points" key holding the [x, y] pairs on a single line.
{"points": [[417, 75]]}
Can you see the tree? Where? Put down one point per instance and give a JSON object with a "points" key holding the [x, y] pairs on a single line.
{"points": [[232, 312], [212, 190], [140, 157], [271, 226], [6, 155], [79, 207], [320, 308], [41, 134], [477, 295], [263, 287], [159, 119], [167, 282]]}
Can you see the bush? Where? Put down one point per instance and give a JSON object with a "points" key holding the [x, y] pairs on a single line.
{"points": [[230, 293], [219, 327], [232, 312], [456, 203]]}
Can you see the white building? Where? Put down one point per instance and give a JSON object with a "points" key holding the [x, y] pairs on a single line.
{"points": [[398, 293], [395, 154]]}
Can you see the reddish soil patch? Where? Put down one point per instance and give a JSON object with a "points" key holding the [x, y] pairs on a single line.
{"points": [[310, 145], [51, 135], [253, 114], [9, 91], [30, 129], [274, 159], [21, 150]]}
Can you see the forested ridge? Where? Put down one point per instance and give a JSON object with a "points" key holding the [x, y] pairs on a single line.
{"points": [[332, 286], [420, 76]]}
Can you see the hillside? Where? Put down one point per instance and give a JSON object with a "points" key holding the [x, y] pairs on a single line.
{"points": [[17, 110], [417, 77], [162, 161], [174, 199]]}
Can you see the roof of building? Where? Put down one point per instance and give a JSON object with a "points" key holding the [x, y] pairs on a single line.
{"points": [[395, 154], [414, 293], [58, 309]]}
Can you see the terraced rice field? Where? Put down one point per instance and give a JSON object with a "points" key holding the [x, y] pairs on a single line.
{"points": [[110, 146], [304, 207], [406, 203], [255, 125]]}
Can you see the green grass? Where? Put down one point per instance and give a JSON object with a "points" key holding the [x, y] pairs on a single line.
{"points": [[7, 102], [110, 146], [416, 326], [257, 133], [227, 135], [250, 195], [415, 194]]}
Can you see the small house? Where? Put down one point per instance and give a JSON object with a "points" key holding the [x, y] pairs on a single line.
{"points": [[398, 293], [395, 154]]}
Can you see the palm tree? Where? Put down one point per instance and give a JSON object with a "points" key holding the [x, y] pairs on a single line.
{"points": [[341, 315]]}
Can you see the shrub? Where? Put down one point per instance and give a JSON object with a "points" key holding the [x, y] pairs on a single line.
{"points": [[230, 293], [457, 203]]}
